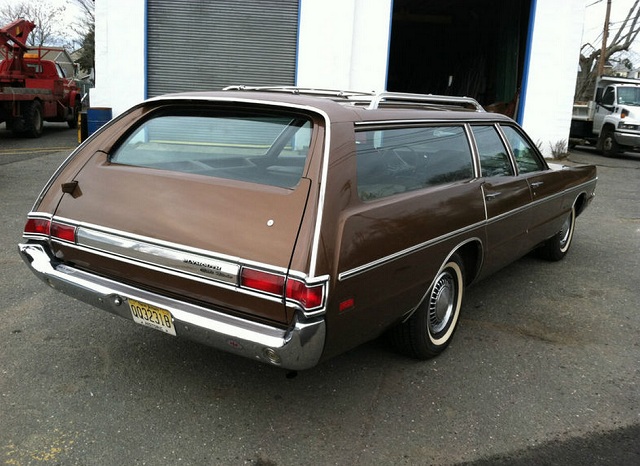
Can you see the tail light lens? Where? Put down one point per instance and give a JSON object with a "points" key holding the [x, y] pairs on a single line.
{"points": [[308, 296], [262, 281], [37, 226], [46, 227], [63, 232]]}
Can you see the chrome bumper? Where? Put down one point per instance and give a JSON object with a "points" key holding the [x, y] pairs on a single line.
{"points": [[296, 348], [627, 139]]}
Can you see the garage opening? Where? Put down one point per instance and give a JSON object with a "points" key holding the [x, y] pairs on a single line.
{"points": [[207, 45], [473, 48]]}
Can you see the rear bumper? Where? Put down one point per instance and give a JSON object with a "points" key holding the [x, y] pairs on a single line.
{"points": [[296, 348]]}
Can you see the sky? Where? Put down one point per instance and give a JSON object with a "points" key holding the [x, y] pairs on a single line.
{"points": [[73, 11], [594, 23]]}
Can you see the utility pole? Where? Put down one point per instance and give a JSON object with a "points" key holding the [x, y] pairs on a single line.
{"points": [[605, 36]]}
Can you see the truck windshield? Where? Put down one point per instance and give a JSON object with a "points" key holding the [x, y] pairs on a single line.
{"points": [[629, 95]]}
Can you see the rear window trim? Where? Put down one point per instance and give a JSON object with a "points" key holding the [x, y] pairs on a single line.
{"points": [[211, 108]]}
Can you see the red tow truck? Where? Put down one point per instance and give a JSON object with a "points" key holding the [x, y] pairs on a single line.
{"points": [[33, 90]]}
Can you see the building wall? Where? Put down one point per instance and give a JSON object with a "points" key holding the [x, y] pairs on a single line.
{"points": [[350, 50], [120, 54], [552, 68]]}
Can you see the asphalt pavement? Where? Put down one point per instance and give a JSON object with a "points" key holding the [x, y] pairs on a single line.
{"points": [[544, 368]]}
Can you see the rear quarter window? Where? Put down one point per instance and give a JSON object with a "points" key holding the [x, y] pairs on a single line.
{"points": [[525, 155], [267, 149], [397, 160]]}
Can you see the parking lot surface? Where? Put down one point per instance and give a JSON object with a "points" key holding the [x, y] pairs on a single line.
{"points": [[544, 368]]}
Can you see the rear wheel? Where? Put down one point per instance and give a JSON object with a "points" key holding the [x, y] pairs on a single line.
{"points": [[33, 122], [430, 329], [73, 122], [556, 247]]}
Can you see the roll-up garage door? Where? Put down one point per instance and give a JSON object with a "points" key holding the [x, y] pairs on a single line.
{"points": [[207, 45]]}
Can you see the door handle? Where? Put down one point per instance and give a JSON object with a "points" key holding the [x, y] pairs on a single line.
{"points": [[537, 184], [491, 196]]}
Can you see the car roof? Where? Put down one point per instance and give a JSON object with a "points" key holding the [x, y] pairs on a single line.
{"points": [[340, 106]]}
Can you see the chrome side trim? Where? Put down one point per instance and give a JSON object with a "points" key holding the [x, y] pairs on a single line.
{"points": [[397, 255], [315, 244], [391, 257], [298, 347]]}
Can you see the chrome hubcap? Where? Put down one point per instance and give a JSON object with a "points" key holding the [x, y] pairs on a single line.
{"points": [[441, 303], [564, 232]]}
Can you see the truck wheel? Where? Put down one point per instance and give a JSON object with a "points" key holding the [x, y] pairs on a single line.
{"points": [[73, 122], [33, 123], [608, 144]]}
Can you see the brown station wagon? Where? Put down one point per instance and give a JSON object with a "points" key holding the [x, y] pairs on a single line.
{"points": [[289, 225]]}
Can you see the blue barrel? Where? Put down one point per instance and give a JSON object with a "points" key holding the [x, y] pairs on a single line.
{"points": [[96, 117]]}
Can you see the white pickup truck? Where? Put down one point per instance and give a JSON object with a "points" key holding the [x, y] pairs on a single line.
{"points": [[611, 121]]}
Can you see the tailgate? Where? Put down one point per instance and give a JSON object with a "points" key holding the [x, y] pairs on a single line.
{"points": [[143, 223], [186, 218]]}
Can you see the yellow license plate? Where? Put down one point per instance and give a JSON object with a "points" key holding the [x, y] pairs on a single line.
{"points": [[151, 316]]}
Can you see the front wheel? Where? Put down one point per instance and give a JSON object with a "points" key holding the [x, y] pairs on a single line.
{"points": [[556, 247], [608, 144], [430, 329]]}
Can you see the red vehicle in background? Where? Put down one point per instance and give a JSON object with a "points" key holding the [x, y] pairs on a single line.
{"points": [[33, 90]]}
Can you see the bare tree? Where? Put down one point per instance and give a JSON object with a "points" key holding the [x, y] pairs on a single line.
{"points": [[85, 30], [49, 20], [590, 55]]}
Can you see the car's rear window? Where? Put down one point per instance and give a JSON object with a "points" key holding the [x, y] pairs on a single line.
{"points": [[260, 148]]}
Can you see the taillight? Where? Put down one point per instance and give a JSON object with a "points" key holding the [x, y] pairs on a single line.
{"points": [[262, 281], [63, 232], [37, 226], [55, 230], [308, 296]]}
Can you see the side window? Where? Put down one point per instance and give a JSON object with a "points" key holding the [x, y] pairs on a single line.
{"points": [[608, 97], [494, 160], [391, 161], [525, 155]]}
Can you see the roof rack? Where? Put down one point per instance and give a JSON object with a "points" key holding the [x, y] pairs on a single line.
{"points": [[426, 99], [372, 100]]}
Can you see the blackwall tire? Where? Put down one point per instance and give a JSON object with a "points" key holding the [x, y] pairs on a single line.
{"points": [[33, 122], [557, 247], [609, 145], [430, 329], [73, 122]]}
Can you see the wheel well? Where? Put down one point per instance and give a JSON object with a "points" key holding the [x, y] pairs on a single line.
{"points": [[471, 254], [580, 203], [607, 127]]}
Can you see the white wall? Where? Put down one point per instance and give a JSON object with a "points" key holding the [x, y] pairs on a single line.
{"points": [[555, 48], [344, 44], [120, 54]]}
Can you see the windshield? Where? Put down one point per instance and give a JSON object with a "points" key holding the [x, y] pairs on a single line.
{"points": [[265, 148], [629, 95]]}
